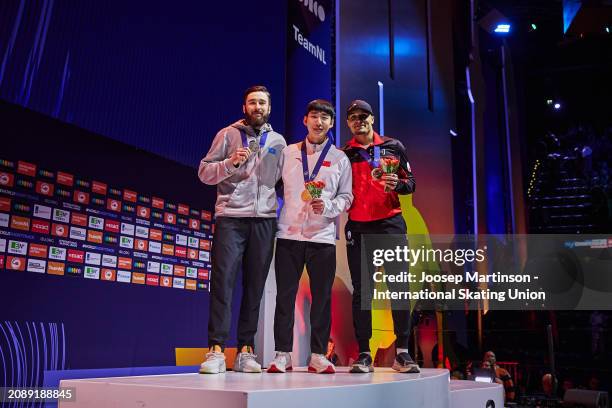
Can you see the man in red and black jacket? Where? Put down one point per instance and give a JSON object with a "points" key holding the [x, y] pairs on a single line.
{"points": [[375, 210]]}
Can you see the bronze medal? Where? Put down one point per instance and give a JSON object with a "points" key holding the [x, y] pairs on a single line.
{"points": [[377, 172]]}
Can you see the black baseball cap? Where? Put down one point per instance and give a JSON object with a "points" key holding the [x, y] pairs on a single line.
{"points": [[359, 104]]}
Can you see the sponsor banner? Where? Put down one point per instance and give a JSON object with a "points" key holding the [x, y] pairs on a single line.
{"points": [[192, 253], [152, 280], [107, 274], [157, 203], [17, 247], [72, 270], [99, 188], [180, 251], [153, 267], [124, 276], [94, 236], [126, 242], [60, 215], [65, 179], [27, 169], [166, 269], [127, 229], [181, 240], [55, 268], [1, 261], [110, 261], [169, 218], [98, 223], [178, 283], [91, 272], [141, 244], [183, 209], [155, 247], [168, 249], [92, 258], [155, 234], [165, 281], [59, 230], [58, 254], [4, 220], [142, 232], [110, 239], [38, 250], [129, 195], [15, 263], [124, 263], [76, 256], [203, 274], [138, 278], [113, 205], [5, 204], [204, 256], [42, 211], [143, 212], [19, 223], [205, 244], [191, 272], [41, 227], [206, 215], [79, 219], [112, 226], [2, 245], [190, 284], [193, 242], [7, 179], [37, 265], [179, 270], [78, 233], [81, 197], [194, 224]]}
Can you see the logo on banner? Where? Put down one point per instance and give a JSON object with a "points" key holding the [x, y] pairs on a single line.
{"points": [[78, 233], [203, 274], [94, 236], [127, 229], [205, 244], [183, 209], [5, 204], [107, 274], [17, 248], [15, 263], [158, 203], [143, 212], [27, 169], [125, 263], [37, 265], [65, 179], [192, 253], [6, 179], [141, 245], [155, 234], [79, 219], [191, 272], [113, 205], [61, 215], [155, 247], [91, 272], [129, 195], [112, 226], [59, 230], [165, 281], [178, 283], [81, 197], [55, 268], [91, 258], [169, 218], [58, 254], [38, 251], [167, 249], [19, 223], [124, 276], [142, 232], [193, 242], [138, 278], [181, 239], [166, 269], [315, 8], [206, 215], [179, 270], [98, 188], [109, 261], [76, 256], [4, 220], [126, 242], [204, 256], [316, 51], [194, 224], [153, 280], [41, 227], [153, 267], [2, 245]]}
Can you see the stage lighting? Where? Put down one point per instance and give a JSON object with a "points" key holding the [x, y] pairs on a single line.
{"points": [[557, 106], [533, 27], [549, 101], [453, 132], [502, 28], [608, 30]]}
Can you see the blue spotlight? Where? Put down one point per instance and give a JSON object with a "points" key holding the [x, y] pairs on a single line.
{"points": [[502, 28], [557, 106]]}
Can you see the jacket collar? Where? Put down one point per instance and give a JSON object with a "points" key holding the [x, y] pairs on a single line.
{"points": [[377, 140]]}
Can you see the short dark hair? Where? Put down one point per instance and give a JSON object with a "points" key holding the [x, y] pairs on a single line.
{"points": [[321, 105], [256, 88]]}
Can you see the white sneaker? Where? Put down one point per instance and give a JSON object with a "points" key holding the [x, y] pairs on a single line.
{"points": [[214, 364], [281, 363], [320, 364], [245, 363]]}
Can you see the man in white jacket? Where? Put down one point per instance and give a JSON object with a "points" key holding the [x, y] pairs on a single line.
{"points": [[307, 234]]}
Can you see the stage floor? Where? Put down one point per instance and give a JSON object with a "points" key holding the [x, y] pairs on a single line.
{"points": [[296, 389]]}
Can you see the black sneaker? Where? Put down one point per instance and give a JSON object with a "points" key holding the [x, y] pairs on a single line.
{"points": [[363, 364], [404, 364]]}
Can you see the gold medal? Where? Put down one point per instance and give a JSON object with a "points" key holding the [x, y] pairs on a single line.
{"points": [[306, 195], [377, 173]]}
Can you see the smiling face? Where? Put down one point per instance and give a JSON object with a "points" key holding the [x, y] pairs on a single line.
{"points": [[361, 124], [318, 124], [256, 109]]}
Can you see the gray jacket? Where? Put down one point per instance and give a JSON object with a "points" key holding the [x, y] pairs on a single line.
{"points": [[246, 191]]}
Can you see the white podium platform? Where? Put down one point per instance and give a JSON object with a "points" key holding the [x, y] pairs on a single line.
{"points": [[466, 394], [297, 389]]}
